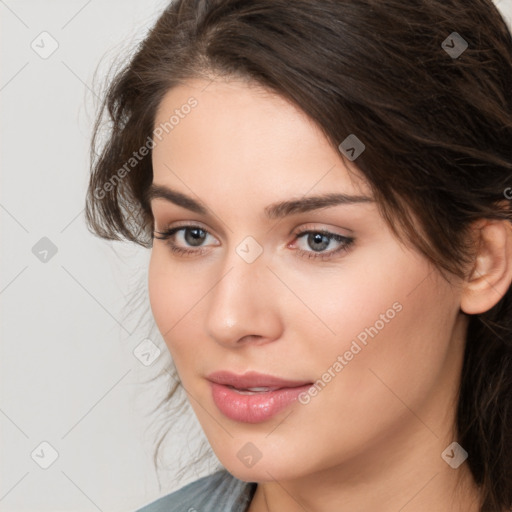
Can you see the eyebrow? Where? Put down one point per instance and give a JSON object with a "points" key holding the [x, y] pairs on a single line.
{"points": [[273, 211]]}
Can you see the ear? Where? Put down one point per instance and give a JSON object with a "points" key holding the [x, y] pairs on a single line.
{"points": [[491, 275]]}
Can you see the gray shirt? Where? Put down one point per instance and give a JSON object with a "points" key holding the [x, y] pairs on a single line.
{"points": [[220, 492]]}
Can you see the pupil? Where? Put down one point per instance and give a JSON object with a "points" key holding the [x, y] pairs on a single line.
{"points": [[195, 236], [318, 241]]}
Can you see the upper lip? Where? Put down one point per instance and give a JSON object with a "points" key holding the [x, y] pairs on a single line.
{"points": [[253, 380]]}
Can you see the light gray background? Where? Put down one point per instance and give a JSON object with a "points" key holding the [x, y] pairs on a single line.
{"points": [[68, 373]]}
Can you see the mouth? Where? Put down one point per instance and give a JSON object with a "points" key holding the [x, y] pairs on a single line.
{"points": [[253, 397], [252, 391]]}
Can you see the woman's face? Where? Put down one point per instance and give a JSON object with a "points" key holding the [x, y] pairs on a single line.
{"points": [[280, 275]]}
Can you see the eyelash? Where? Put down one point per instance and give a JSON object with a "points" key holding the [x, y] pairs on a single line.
{"points": [[345, 242]]}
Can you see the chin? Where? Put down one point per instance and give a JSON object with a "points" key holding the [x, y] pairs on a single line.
{"points": [[267, 469]]}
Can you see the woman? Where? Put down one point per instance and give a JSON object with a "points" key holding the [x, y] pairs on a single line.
{"points": [[325, 186]]}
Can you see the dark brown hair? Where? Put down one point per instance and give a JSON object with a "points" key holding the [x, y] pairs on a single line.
{"points": [[437, 127]]}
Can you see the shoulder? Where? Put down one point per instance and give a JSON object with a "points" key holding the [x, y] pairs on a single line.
{"points": [[220, 492]]}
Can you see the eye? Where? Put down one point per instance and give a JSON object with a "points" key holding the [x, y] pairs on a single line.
{"points": [[194, 240], [183, 239], [314, 244]]}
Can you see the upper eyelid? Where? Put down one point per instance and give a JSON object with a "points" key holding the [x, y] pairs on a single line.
{"points": [[323, 228], [186, 224], [160, 219], [176, 229]]}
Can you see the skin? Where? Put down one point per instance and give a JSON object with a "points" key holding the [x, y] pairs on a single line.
{"points": [[372, 438]]}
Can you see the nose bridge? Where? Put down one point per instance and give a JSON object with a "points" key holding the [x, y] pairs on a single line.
{"points": [[242, 302]]}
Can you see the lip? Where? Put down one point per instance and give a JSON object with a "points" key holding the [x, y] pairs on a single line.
{"points": [[229, 392]]}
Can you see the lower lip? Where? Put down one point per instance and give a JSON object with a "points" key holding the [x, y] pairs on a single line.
{"points": [[254, 408]]}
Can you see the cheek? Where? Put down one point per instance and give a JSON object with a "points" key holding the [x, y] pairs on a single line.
{"points": [[393, 323], [160, 284], [360, 297], [172, 294], [178, 298]]}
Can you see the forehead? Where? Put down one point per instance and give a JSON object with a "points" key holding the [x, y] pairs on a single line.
{"points": [[238, 132]]}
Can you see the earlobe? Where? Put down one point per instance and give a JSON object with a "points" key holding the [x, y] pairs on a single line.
{"points": [[491, 275]]}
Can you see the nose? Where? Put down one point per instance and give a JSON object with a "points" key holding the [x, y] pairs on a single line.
{"points": [[244, 305]]}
